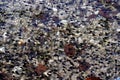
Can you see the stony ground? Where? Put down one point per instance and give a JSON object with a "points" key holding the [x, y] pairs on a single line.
{"points": [[59, 40]]}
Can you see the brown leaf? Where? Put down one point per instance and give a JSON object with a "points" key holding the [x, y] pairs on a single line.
{"points": [[69, 50], [40, 69], [93, 78]]}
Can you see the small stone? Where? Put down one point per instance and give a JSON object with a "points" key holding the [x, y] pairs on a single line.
{"points": [[21, 42], [83, 66], [60, 57], [118, 78], [79, 58], [46, 73], [40, 24], [76, 64], [96, 12], [74, 76], [2, 49], [58, 33], [69, 50], [83, 7], [92, 41], [118, 15], [17, 70], [4, 36], [64, 22], [90, 8], [82, 26], [118, 30], [41, 0], [62, 14], [22, 78], [55, 58], [51, 60], [80, 40], [54, 9]]}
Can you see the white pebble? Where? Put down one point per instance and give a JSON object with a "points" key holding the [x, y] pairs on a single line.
{"points": [[118, 30], [55, 58], [82, 26], [64, 21], [46, 73], [35, 62], [76, 64], [89, 13], [92, 41], [90, 8], [103, 69], [118, 78], [51, 60], [118, 15], [22, 78], [79, 58], [74, 76], [62, 14], [96, 12], [2, 49], [60, 57], [58, 33], [80, 40], [4, 36], [40, 24], [18, 69], [84, 6], [54, 9]]}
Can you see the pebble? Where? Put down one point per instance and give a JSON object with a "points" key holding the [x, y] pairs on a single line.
{"points": [[118, 30], [82, 26], [118, 15], [41, 25], [2, 49], [74, 76], [17, 70], [62, 14], [22, 78], [65, 26], [83, 7], [96, 12], [4, 36], [60, 57], [80, 40], [92, 41], [58, 33], [21, 42], [118, 78], [55, 9], [65, 22], [55, 58], [51, 60], [83, 66]]}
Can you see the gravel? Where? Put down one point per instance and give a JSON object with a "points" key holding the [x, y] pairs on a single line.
{"points": [[34, 32]]}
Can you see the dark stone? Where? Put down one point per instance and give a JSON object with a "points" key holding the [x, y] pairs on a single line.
{"points": [[83, 66], [69, 50]]}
